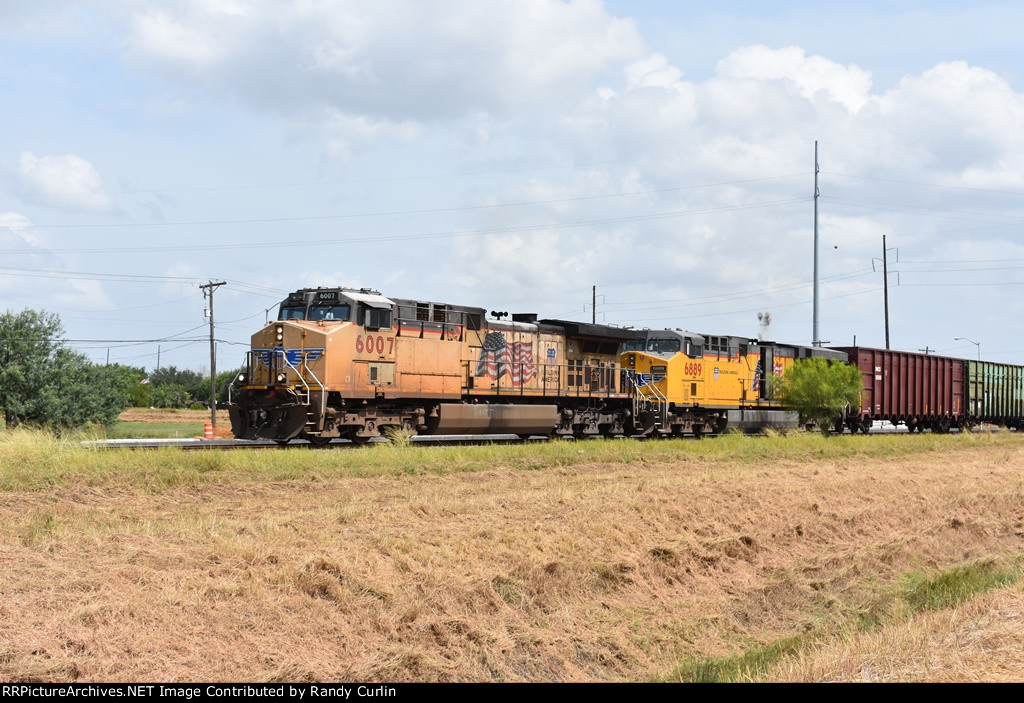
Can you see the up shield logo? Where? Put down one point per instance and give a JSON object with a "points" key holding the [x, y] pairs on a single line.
{"points": [[644, 379], [291, 357]]}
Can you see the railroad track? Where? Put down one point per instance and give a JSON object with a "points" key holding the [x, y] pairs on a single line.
{"points": [[232, 444], [425, 440]]}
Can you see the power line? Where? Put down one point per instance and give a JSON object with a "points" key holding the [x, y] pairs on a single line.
{"points": [[918, 209], [491, 206], [738, 312], [723, 297], [322, 218], [130, 278], [927, 185], [382, 179], [55, 273], [404, 237], [963, 261]]}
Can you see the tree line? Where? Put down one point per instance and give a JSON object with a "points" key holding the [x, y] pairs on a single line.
{"points": [[44, 382]]}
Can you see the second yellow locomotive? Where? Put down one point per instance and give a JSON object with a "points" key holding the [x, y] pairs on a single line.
{"points": [[700, 384]]}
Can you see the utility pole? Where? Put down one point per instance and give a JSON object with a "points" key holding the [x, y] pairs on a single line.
{"points": [[593, 305], [816, 339], [885, 282], [157, 357], [208, 289], [927, 350]]}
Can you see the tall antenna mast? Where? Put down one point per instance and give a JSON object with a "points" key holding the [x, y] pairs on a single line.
{"points": [[816, 339]]}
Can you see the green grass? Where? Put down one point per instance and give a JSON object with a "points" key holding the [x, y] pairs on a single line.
{"points": [[947, 588], [33, 460], [917, 592], [733, 667]]}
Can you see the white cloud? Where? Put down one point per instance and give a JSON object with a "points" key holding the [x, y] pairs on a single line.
{"points": [[961, 117], [19, 227], [84, 295], [344, 133], [390, 60], [66, 182], [810, 76], [14, 221]]}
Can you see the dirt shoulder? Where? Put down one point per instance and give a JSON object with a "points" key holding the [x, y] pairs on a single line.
{"points": [[171, 415], [581, 573]]}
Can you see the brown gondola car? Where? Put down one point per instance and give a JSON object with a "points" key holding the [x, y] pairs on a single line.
{"points": [[353, 363], [922, 391]]}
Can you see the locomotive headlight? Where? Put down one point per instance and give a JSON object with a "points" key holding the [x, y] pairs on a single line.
{"points": [[241, 378], [280, 333], [282, 377]]}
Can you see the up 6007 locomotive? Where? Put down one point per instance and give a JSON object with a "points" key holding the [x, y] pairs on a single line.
{"points": [[349, 363]]}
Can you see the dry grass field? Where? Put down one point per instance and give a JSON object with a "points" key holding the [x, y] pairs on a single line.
{"points": [[781, 558]]}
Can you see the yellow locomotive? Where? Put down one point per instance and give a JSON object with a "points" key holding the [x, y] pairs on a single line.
{"points": [[686, 383], [347, 363]]}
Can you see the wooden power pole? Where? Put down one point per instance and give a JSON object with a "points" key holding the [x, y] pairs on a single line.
{"points": [[208, 289]]}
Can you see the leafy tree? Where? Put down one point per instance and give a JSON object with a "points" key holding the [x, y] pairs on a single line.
{"points": [[171, 395], [42, 382], [194, 384], [28, 347], [820, 390], [141, 395]]}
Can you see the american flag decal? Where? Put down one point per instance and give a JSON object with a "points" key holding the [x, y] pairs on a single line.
{"points": [[499, 358]]}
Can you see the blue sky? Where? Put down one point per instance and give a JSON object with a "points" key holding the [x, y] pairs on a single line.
{"points": [[512, 154]]}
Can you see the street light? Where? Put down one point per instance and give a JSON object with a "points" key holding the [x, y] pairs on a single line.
{"points": [[976, 387], [967, 339]]}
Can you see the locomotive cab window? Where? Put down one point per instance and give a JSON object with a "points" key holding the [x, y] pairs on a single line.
{"points": [[663, 346], [330, 312], [694, 351], [376, 318], [292, 313]]}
